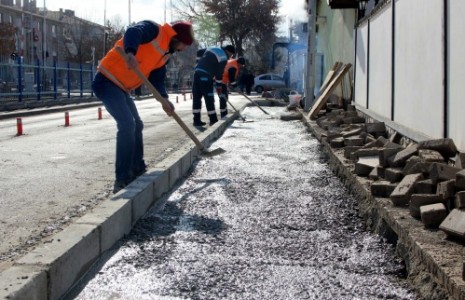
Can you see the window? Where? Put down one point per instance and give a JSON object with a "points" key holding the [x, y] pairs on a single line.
{"points": [[265, 77], [1, 17], [54, 31], [10, 19]]}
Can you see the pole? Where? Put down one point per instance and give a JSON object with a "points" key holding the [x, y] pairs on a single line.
{"points": [[311, 51], [129, 12], [44, 44], [104, 28]]}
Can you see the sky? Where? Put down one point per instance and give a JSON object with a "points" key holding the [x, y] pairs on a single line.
{"points": [[94, 10]]}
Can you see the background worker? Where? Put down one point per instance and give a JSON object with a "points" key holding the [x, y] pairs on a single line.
{"points": [[230, 76], [148, 46], [210, 66]]}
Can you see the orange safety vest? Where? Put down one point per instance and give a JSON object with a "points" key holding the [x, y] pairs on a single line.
{"points": [[150, 56], [232, 63]]}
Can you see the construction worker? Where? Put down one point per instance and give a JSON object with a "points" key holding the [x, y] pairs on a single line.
{"points": [[230, 77], [148, 46], [210, 67]]}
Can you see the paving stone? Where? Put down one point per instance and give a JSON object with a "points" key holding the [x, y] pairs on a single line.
{"points": [[412, 161], [425, 187], [290, 116], [393, 174], [418, 200], [365, 152], [430, 155], [433, 215], [374, 174], [354, 141], [440, 172], [354, 120], [385, 154], [349, 150], [337, 143], [401, 194], [395, 137], [454, 224], [382, 188], [365, 165], [375, 127], [333, 135], [460, 180], [369, 139], [445, 146], [446, 189], [460, 160], [419, 167], [353, 132], [459, 200], [400, 158]]}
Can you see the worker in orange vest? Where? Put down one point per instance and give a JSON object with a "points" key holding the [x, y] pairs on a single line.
{"points": [[148, 46], [230, 77]]}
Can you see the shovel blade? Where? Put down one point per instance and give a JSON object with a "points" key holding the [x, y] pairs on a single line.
{"points": [[217, 151]]}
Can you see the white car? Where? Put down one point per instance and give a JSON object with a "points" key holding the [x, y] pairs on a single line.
{"points": [[268, 81]]}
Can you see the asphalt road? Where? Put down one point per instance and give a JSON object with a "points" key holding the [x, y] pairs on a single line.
{"points": [[53, 174]]}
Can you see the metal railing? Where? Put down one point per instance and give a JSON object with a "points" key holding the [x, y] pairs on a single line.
{"points": [[22, 81]]}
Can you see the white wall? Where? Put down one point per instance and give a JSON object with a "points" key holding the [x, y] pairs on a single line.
{"points": [[380, 91], [419, 66], [457, 72], [361, 65]]}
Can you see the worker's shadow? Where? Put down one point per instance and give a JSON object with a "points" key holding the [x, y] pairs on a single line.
{"points": [[168, 217]]}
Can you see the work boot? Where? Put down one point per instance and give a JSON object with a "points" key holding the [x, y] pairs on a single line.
{"points": [[197, 121], [119, 185], [224, 114], [213, 119]]}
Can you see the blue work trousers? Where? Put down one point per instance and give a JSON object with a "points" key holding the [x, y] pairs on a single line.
{"points": [[129, 140]]}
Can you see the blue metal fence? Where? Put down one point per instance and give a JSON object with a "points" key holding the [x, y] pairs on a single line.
{"points": [[37, 81]]}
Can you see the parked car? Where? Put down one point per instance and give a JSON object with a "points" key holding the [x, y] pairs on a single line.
{"points": [[268, 81]]}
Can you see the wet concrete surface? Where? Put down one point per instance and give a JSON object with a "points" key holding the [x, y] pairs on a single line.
{"points": [[265, 220]]}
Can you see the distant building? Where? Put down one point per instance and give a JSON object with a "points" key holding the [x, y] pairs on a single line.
{"points": [[52, 35]]}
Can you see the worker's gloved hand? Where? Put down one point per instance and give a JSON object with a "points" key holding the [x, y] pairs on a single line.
{"points": [[219, 89], [132, 61], [234, 87], [168, 107]]}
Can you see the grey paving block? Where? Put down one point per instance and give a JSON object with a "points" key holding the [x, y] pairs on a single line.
{"points": [[454, 223], [378, 127], [430, 155], [401, 194], [161, 181], [440, 172], [418, 200], [446, 189], [459, 201], [393, 174], [354, 141], [337, 142], [353, 132], [433, 215], [365, 165], [460, 180], [382, 188], [445, 146], [425, 187], [385, 154], [349, 150], [460, 160], [400, 158]]}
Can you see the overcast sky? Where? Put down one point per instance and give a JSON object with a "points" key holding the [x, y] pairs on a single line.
{"points": [[93, 10]]}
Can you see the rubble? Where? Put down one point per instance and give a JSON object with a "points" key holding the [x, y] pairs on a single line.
{"points": [[428, 177]]}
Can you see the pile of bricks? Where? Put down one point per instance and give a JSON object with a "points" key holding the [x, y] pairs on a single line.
{"points": [[427, 178]]}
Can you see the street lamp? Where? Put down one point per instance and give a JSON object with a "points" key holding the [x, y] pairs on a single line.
{"points": [[362, 5]]}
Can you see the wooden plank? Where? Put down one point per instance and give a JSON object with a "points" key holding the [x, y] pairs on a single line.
{"points": [[321, 100], [329, 77]]}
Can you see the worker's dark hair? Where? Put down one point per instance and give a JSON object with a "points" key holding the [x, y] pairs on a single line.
{"points": [[230, 48], [241, 60], [200, 52]]}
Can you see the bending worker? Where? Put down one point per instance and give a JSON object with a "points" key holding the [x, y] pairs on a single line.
{"points": [[210, 65], [148, 46], [230, 76]]}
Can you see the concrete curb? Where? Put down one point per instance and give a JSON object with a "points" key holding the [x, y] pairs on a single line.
{"points": [[52, 268], [434, 263]]}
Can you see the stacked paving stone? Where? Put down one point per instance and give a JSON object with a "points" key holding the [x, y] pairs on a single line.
{"points": [[427, 178]]}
